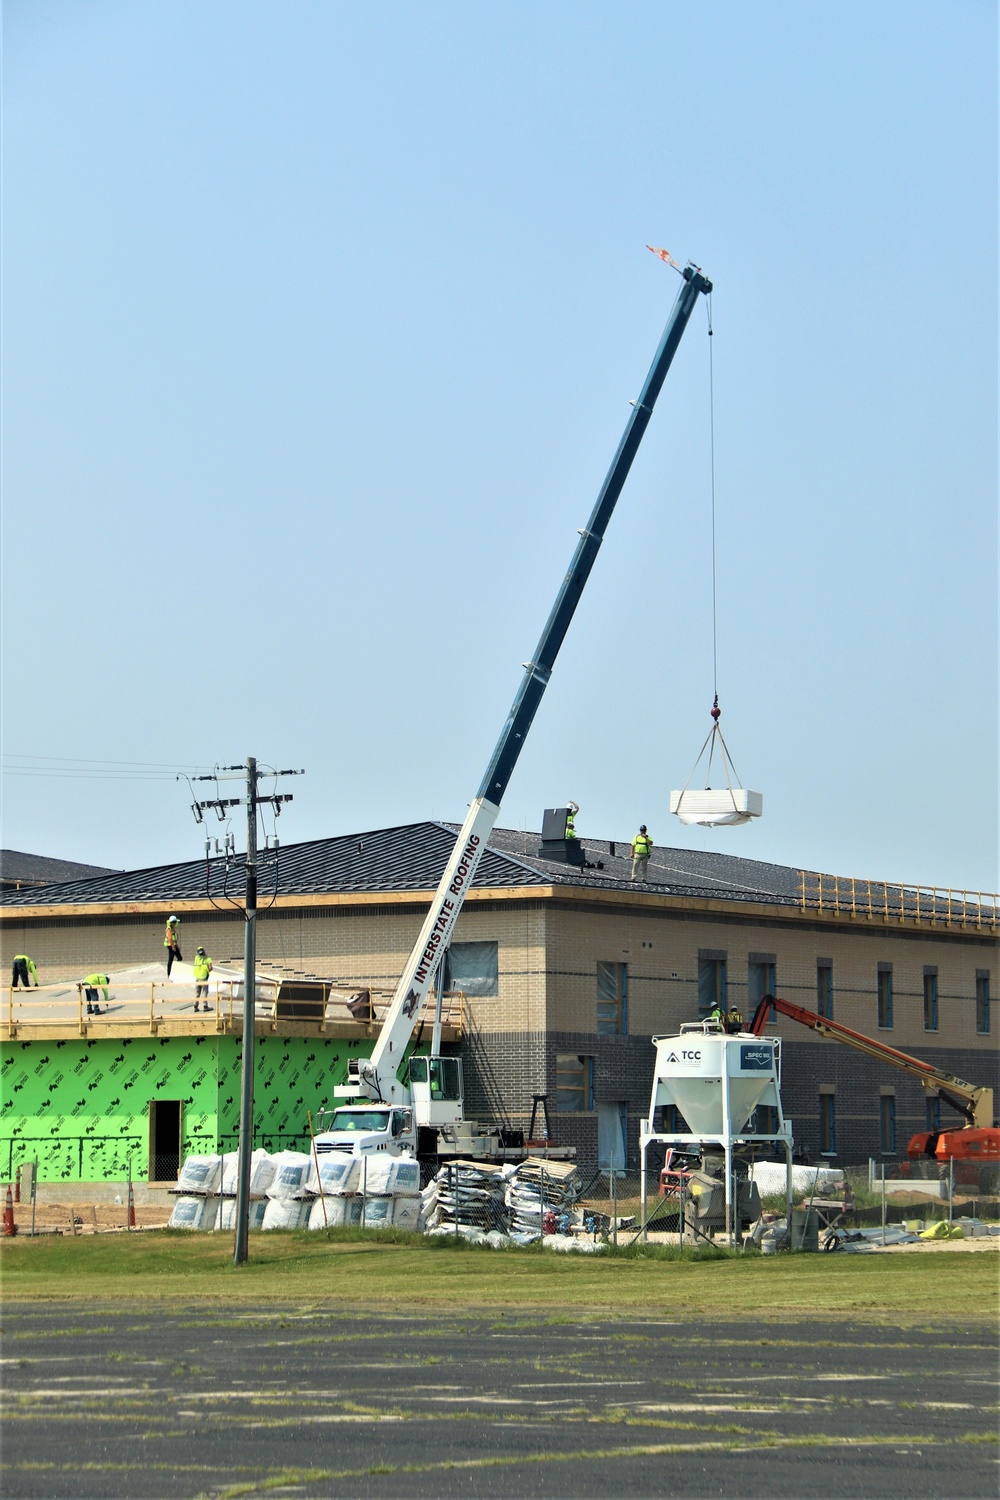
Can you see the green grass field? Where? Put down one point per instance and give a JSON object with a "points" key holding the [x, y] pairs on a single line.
{"points": [[355, 1270]]}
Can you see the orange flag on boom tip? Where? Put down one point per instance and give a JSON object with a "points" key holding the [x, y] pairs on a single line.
{"points": [[664, 255]]}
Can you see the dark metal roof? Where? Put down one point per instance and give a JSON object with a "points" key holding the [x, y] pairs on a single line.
{"points": [[17, 868], [412, 857]]}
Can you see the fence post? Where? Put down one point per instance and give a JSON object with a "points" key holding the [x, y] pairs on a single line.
{"points": [[364, 1191], [541, 1204], [951, 1189], [883, 1203], [614, 1204]]}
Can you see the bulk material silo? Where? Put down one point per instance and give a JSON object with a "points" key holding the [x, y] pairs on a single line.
{"points": [[717, 1083]]}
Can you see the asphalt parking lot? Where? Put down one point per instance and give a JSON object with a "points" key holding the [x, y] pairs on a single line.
{"points": [[103, 1401]]}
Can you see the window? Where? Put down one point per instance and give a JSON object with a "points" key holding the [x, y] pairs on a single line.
{"points": [[933, 1107], [930, 1000], [711, 981], [824, 988], [885, 996], [760, 980], [982, 1001], [471, 968], [887, 1124], [827, 1125], [612, 999], [574, 1084]]}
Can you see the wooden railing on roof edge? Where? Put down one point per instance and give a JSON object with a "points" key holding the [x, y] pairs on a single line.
{"points": [[886, 901]]}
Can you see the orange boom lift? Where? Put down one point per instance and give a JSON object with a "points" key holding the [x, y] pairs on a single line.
{"points": [[977, 1140]]}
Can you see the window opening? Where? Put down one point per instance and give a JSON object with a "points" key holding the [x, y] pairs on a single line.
{"points": [[711, 984], [887, 1124], [472, 968], [612, 999], [885, 996], [761, 981], [930, 1001], [827, 1125], [982, 1003], [574, 1084], [824, 991]]}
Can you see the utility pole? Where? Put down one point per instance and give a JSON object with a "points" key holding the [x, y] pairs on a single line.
{"points": [[249, 1022], [253, 801]]}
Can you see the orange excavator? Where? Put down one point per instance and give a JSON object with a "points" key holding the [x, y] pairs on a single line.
{"points": [[977, 1140]]}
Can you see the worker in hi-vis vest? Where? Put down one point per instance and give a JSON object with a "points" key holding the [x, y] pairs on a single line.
{"points": [[95, 982], [172, 943], [572, 808], [642, 848], [24, 971], [202, 969], [717, 1015]]}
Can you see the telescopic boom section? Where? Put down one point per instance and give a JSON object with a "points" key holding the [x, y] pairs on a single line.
{"points": [[972, 1100], [379, 1074]]}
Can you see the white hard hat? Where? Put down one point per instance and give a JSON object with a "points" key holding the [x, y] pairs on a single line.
{"points": [[171, 919]]}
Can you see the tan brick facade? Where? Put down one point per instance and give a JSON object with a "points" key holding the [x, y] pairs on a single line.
{"points": [[550, 942]]}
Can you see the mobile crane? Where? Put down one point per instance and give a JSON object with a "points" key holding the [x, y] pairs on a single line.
{"points": [[432, 1095], [977, 1140]]}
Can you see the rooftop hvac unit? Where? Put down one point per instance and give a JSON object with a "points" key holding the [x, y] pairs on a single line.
{"points": [[717, 809]]}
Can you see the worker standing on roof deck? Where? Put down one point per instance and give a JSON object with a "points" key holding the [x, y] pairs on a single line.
{"points": [[642, 848], [172, 943], [202, 969], [94, 982], [23, 968], [572, 808]]}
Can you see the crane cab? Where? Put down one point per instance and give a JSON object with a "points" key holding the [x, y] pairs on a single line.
{"points": [[436, 1090]]}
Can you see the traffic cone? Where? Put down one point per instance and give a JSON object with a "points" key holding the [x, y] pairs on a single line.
{"points": [[131, 1206], [9, 1227], [17, 1186]]}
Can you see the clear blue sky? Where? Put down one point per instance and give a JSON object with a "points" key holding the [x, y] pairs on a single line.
{"points": [[320, 327]]}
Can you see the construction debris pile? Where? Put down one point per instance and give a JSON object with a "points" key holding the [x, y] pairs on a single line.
{"points": [[507, 1205]]}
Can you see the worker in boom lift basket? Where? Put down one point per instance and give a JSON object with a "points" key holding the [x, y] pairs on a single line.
{"points": [[642, 848]]}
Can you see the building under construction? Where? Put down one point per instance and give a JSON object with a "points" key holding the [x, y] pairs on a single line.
{"points": [[559, 976]]}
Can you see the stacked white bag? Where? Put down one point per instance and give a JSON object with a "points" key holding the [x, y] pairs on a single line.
{"points": [[197, 1188], [375, 1191], [289, 1200], [294, 1190]]}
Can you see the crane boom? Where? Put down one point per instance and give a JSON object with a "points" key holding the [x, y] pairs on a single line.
{"points": [[972, 1100], [378, 1074]]}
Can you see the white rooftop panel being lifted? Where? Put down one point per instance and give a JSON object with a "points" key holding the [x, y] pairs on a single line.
{"points": [[717, 809]]}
